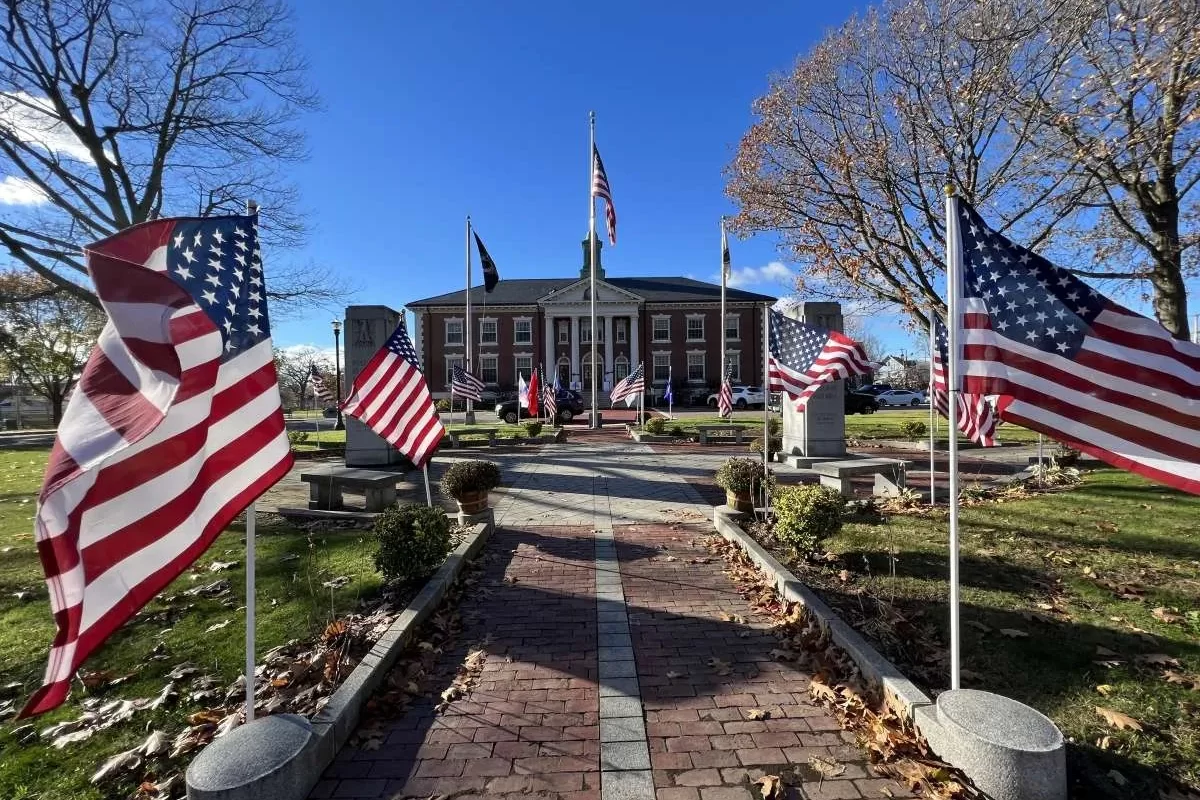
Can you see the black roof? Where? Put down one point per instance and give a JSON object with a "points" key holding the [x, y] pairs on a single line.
{"points": [[527, 291]]}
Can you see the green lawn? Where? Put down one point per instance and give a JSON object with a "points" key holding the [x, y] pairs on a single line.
{"points": [[886, 425], [1075, 579], [753, 425], [292, 603]]}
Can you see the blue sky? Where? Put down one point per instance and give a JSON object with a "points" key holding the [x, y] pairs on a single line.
{"points": [[433, 111]]}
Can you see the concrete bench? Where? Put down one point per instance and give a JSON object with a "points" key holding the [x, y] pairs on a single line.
{"points": [[837, 474], [325, 487], [720, 431], [455, 435]]}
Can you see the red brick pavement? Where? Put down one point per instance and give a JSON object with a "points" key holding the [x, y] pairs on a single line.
{"points": [[703, 744], [530, 724]]}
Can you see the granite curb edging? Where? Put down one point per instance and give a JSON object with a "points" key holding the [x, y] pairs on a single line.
{"points": [[902, 693], [329, 730]]}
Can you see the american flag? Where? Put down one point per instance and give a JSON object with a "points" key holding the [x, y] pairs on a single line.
{"points": [[552, 399], [803, 358], [725, 398], [318, 385], [176, 427], [976, 417], [1072, 364], [464, 384], [629, 388], [601, 189], [391, 397]]}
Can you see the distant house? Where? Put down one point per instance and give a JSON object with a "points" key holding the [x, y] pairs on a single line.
{"points": [[903, 373]]}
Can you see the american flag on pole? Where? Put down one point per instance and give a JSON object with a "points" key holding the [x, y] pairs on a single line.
{"points": [[318, 385], [1072, 364], [464, 384], [629, 388], [390, 396], [725, 398], [600, 188], [176, 427], [976, 418], [552, 399], [802, 358]]}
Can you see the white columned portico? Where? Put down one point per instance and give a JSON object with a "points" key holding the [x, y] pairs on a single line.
{"points": [[575, 348], [634, 359], [548, 358], [608, 347]]}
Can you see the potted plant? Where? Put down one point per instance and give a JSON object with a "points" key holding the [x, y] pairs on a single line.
{"points": [[469, 482], [741, 478]]}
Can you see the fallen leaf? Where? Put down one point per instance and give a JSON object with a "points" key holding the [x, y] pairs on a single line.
{"points": [[221, 566], [979, 626], [1045, 606], [1109, 663], [719, 666], [758, 713], [844, 575], [822, 691], [672, 674], [1105, 689], [336, 583], [782, 655], [1117, 778], [1157, 660], [1104, 651], [1108, 527], [1168, 615], [510, 579], [826, 768], [1118, 720], [1014, 633], [216, 626], [771, 786], [121, 762]]}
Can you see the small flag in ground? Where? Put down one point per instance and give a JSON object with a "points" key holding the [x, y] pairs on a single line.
{"points": [[802, 358], [491, 276], [552, 399], [629, 388], [176, 427], [391, 397], [318, 385], [1072, 364], [976, 417], [600, 188], [531, 395], [464, 384], [725, 398], [669, 393]]}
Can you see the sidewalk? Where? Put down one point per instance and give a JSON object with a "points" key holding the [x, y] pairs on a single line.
{"points": [[621, 663]]}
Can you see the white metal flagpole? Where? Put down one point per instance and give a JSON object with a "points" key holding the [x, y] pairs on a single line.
{"points": [[671, 396], [592, 249], [251, 564], [932, 413], [953, 279], [469, 416], [724, 276], [766, 384], [428, 494]]}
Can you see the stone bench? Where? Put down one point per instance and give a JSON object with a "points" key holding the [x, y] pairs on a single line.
{"points": [[716, 431], [837, 474], [325, 487], [455, 435]]}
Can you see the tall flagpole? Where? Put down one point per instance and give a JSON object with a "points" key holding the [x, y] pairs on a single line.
{"points": [[953, 287], [724, 343], [251, 564], [469, 417], [932, 462], [766, 383], [592, 247]]}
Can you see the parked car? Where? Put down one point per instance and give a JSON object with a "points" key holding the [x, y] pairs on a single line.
{"points": [[874, 388], [900, 397], [570, 405], [860, 403], [743, 396]]}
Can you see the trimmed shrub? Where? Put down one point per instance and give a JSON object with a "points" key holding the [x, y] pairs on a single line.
{"points": [[773, 426], [677, 431], [655, 425], [756, 445], [470, 476], [913, 429], [1064, 456], [806, 515], [533, 428], [413, 542], [297, 437], [443, 405], [741, 475]]}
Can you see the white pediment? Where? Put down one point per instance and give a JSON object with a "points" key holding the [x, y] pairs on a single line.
{"points": [[578, 292]]}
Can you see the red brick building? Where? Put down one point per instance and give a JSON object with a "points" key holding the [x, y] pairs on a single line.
{"points": [[671, 324]]}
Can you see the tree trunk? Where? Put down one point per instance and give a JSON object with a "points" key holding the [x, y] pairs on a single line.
{"points": [[1170, 293], [56, 409]]}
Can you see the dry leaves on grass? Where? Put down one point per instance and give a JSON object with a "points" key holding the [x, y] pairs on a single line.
{"points": [[1168, 615], [1118, 720]]}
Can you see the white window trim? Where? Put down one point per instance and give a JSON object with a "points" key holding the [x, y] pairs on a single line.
{"points": [[737, 353], [496, 323], [703, 366], [623, 361], [451, 363], [586, 339], [462, 332], [532, 366], [516, 321], [666, 353], [496, 360], [687, 333], [564, 327], [621, 331], [653, 333], [737, 320]]}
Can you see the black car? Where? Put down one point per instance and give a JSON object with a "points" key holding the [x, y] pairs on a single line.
{"points": [[570, 405], [861, 403], [873, 389]]}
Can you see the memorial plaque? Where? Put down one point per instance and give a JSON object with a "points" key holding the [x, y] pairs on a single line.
{"points": [[367, 328], [820, 430]]}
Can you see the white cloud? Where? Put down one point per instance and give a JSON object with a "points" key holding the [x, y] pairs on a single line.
{"points": [[33, 120], [773, 273], [16, 191], [325, 353]]}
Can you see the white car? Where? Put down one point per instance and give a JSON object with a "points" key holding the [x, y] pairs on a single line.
{"points": [[743, 396], [900, 397]]}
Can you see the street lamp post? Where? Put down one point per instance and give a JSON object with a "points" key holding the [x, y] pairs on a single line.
{"points": [[340, 424]]}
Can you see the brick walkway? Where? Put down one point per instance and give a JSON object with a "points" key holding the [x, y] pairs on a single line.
{"points": [[581, 622]]}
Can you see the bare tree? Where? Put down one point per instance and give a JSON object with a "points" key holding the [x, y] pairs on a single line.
{"points": [[113, 112], [1123, 114], [46, 336], [295, 366]]}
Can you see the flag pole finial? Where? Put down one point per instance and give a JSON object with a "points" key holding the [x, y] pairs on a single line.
{"points": [[950, 190]]}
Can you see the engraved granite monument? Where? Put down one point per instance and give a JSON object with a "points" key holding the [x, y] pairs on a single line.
{"points": [[820, 430]]}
